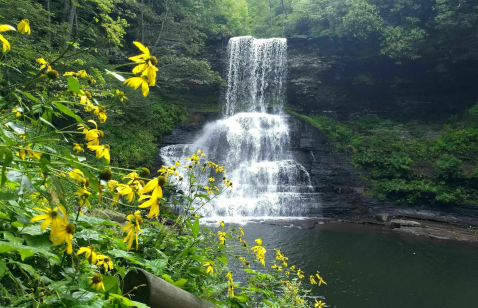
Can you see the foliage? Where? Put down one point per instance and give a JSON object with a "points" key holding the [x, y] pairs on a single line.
{"points": [[57, 176], [396, 28], [403, 164]]}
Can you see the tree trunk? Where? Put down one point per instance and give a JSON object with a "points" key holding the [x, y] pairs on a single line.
{"points": [[142, 22], [270, 11], [66, 8]]}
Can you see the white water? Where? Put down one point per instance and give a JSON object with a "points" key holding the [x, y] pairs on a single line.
{"points": [[253, 145]]}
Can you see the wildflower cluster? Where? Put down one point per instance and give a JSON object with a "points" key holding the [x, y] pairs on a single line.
{"points": [[65, 240]]}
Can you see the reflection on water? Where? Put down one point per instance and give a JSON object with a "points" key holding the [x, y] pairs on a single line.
{"points": [[368, 267]]}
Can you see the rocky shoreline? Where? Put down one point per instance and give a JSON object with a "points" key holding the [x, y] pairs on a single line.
{"points": [[432, 228]]}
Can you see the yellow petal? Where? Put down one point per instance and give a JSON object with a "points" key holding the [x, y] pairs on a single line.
{"points": [[4, 28], [141, 47], [6, 44], [46, 223], [39, 217]]}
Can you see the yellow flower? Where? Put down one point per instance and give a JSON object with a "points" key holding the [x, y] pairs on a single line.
{"points": [[77, 148], [81, 73], [64, 233], [260, 251], [300, 274], [319, 304], [101, 151], [24, 26], [105, 261], [299, 300], [133, 227], [6, 44], [101, 112], [221, 223], [27, 150], [136, 82], [97, 281], [222, 237], [120, 95], [321, 280], [83, 195], [90, 254], [91, 135], [230, 284], [177, 164], [146, 64], [292, 268], [312, 280], [209, 269], [51, 216], [44, 64], [126, 190], [155, 186], [78, 175], [241, 230], [17, 111]]}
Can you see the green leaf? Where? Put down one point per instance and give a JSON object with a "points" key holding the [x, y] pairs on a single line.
{"points": [[33, 230], [167, 278], [73, 85], [25, 267], [128, 302], [47, 122], [29, 96], [157, 266], [26, 185], [222, 258], [180, 283], [68, 112], [28, 251], [195, 228], [14, 176], [39, 241], [3, 268], [7, 160], [111, 284], [12, 238]]}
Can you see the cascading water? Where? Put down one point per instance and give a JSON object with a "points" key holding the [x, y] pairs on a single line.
{"points": [[252, 144]]}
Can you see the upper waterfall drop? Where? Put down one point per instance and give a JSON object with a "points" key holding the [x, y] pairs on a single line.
{"points": [[256, 71], [252, 140]]}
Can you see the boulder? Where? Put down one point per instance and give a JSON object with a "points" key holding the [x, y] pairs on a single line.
{"points": [[382, 217], [397, 223]]}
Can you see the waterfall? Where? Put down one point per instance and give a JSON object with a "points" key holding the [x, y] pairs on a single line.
{"points": [[255, 75], [252, 140]]}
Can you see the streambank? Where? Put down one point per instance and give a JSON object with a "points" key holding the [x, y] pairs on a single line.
{"points": [[406, 225]]}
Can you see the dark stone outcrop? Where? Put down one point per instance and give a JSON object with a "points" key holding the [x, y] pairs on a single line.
{"points": [[342, 189], [345, 80]]}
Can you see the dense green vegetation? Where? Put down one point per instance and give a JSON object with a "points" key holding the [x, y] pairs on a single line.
{"points": [[411, 163], [175, 32], [396, 28], [78, 208]]}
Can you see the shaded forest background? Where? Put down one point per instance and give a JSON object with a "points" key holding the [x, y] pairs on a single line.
{"points": [[176, 31]]}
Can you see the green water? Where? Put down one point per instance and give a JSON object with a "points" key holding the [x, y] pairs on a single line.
{"points": [[367, 267]]}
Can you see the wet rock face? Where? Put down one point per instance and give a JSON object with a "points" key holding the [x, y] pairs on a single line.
{"points": [[343, 193], [347, 80]]}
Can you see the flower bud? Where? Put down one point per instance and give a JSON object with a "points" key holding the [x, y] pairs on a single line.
{"points": [[144, 172], [52, 74], [161, 181], [106, 175]]}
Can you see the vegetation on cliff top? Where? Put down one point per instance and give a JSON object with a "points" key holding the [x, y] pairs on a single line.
{"points": [[413, 163]]}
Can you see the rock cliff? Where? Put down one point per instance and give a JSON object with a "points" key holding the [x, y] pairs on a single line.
{"points": [[345, 80]]}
